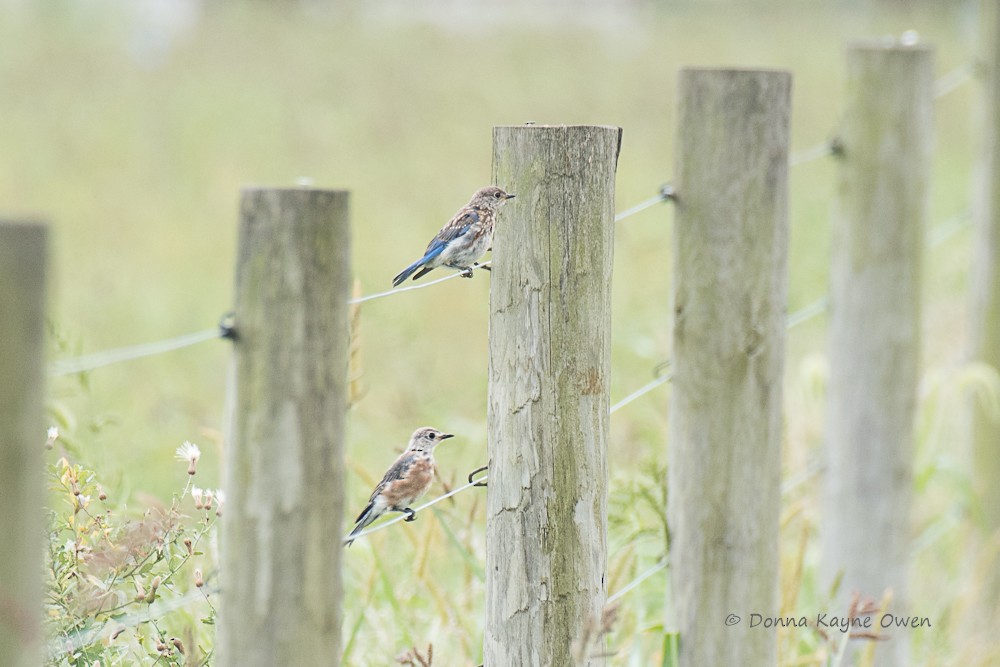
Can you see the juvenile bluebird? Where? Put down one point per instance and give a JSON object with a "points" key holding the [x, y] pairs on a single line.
{"points": [[408, 479], [465, 238]]}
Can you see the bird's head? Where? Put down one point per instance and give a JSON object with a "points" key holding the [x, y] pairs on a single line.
{"points": [[426, 438], [490, 197]]}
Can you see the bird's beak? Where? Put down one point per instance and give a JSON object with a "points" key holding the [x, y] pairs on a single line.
{"points": [[445, 436], [510, 196]]}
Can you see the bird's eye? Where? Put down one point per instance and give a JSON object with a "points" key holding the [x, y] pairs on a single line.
{"points": [[498, 195]]}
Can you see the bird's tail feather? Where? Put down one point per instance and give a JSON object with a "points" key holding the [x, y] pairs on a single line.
{"points": [[423, 272], [407, 272], [366, 517], [432, 252]]}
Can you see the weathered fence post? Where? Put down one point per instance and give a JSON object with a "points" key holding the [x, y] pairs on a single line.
{"points": [[985, 329], [549, 376], [875, 324], [730, 264], [281, 534], [23, 249]]}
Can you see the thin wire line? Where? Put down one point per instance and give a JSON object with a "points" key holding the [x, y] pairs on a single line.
{"points": [[808, 312], [410, 288], [89, 362], [796, 318], [108, 357], [802, 476], [937, 530], [810, 154], [952, 80], [638, 580], [98, 359], [640, 392], [419, 509], [664, 195], [797, 480], [949, 228]]}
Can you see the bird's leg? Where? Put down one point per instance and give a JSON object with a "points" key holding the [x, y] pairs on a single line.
{"points": [[410, 514], [466, 272], [477, 265]]}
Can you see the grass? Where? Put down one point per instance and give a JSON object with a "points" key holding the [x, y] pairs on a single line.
{"points": [[136, 157]]}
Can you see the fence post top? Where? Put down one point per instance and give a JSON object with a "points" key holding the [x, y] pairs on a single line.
{"points": [[25, 224], [890, 44], [734, 71], [531, 125], [251, 189]]}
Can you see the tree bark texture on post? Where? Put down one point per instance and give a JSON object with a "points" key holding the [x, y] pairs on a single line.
{"points": [[23, 257], [877, 245], [730, 282], [281, 561], [549, 377]]}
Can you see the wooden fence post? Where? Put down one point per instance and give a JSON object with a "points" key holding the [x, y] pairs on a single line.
{"points": [[281, 533], [23, 257], [730, 266], [985, 329], [875, 325], [549, 376]]}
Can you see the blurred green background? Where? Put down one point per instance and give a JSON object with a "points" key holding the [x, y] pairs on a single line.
{"points": [[131, 126]]}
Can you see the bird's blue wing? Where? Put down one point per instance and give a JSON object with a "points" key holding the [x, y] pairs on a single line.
{"points": [[432, 252], [455, 228]]}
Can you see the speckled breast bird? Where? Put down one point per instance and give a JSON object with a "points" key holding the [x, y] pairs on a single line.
{"points": [[466, 237], [408, 479]]}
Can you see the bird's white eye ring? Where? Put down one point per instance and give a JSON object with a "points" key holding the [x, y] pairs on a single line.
{"points": [[497, 195]]}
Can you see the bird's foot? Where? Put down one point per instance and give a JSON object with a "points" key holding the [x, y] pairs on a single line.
{"points": [[477, 265], [467, 272], [410, 514]]}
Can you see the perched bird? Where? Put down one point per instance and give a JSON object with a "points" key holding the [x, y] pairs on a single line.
{"points": [[465, 238], [408, 479]]}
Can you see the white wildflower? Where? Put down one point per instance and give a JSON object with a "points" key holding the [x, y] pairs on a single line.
{"points": [[191, 453], [220, 497], [198, 494]]}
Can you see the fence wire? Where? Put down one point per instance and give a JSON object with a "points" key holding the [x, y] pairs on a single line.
{"points": [[96, 360], [944, 85], [810, 154], [635, 583], [410, 288], [90, 362], [951, 81]]}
